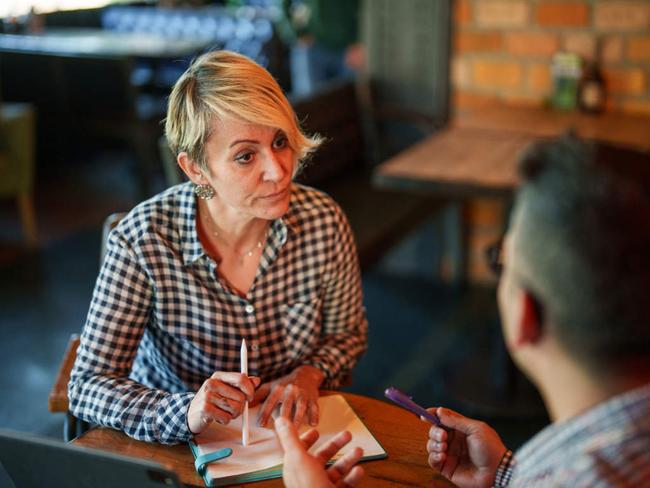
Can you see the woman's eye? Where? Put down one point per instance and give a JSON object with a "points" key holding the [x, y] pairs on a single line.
{"points": [[280, 142], [244, 158]]}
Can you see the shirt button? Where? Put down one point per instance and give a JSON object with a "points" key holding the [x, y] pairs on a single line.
{"points": [[249, 308], [255, 347]]}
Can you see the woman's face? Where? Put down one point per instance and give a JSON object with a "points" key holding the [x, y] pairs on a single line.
{"points": [[250, 167]]}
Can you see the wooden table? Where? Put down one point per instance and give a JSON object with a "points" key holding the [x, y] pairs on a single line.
{"points": [[401, 433], [624, 129], [457, 162], [477, 154]]}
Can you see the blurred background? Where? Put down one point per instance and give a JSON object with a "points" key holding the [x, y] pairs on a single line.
{"points": [[84, 86]]}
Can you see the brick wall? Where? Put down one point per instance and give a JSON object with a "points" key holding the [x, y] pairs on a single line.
{"points": [[502, 53], [503, 48]]}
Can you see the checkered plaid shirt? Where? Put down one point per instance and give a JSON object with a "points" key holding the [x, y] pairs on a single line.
{"points": [[607, 446], [161, 321]]}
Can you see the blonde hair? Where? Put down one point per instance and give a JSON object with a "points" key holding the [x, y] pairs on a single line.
{"points": [[223, 84]]}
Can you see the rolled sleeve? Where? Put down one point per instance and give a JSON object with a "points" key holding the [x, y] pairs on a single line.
{"points": [[100, 390]]}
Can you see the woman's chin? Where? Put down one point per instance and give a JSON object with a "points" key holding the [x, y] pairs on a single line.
{"points": [[275, 210]]}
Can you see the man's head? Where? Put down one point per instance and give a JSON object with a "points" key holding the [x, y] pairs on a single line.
{"points": [[577, 257]]}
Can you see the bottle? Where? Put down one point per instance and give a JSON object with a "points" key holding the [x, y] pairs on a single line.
{"points": [[591, 90], [566, 75]]}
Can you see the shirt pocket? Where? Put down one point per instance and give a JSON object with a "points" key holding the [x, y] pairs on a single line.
{"points": [[302, 326]]}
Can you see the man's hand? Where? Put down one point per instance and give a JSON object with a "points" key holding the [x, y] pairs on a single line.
{"points": [[469, 454], [302, 469], [297, 393], [220, 399]]}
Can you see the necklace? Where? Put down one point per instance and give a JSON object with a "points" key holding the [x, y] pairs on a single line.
{"points": [[256, 248]]}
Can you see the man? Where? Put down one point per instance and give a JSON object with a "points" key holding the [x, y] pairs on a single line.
{"points": [[324, 40], [573, 297]]}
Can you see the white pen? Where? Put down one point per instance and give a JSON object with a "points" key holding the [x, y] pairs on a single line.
{"points": [[244, 370]]}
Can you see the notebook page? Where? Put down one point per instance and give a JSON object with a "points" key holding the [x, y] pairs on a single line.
{"points": [[264, 450]]}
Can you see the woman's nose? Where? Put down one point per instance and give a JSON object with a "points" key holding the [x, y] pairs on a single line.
{"points": [[274, 167]]}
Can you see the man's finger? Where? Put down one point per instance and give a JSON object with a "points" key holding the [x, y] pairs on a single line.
{"points": [[342, 466], [330, 448], [437, 460], [438, 434], [288, 435], [353, 478], [456, 421], [312, 413], [436, 446], [309, 438]]}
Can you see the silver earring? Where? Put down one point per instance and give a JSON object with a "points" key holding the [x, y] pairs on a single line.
{"points": [[206, 192]]}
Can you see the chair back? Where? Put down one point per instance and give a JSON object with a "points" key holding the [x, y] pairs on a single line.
{"points": [[109, 224], [408, 47], [333, 113]]}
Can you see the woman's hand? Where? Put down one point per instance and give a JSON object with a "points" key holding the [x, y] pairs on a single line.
{"points": [[297, 393], [220, 399], [469, 454]]}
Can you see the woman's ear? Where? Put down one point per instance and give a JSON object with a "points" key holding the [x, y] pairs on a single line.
{"points": [[191, 168]]}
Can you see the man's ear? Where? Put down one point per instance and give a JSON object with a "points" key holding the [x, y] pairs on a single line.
{"points": [[190, 168], [530, 322]]}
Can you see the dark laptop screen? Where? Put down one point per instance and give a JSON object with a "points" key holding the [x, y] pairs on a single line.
{"points": [[32, 461]]}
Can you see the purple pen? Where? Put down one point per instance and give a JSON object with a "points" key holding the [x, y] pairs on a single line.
{"points": [[403, 400]]}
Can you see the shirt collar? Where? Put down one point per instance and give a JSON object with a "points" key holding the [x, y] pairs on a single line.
{"points": [[190, 244], [289, 220]]}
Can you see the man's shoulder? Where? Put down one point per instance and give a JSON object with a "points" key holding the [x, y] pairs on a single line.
{"points": [[605, 446], [623, 463]]}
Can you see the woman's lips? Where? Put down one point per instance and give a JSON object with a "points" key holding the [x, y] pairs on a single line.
{"points": [[276, 195]]}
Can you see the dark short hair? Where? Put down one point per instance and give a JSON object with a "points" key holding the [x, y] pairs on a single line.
{"points": [[584, 241]]}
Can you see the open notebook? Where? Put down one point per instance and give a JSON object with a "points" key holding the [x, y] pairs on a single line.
{"points": [[262, 459]]}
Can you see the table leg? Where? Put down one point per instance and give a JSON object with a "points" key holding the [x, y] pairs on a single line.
{"points": [[454, 266], [28, 218]]}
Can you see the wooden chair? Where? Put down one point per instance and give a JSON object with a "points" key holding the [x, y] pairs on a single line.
{"points": [[17, 143], [58, 398]]}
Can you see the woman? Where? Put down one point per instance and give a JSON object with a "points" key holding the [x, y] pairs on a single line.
{"points": [[238, 252]]}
